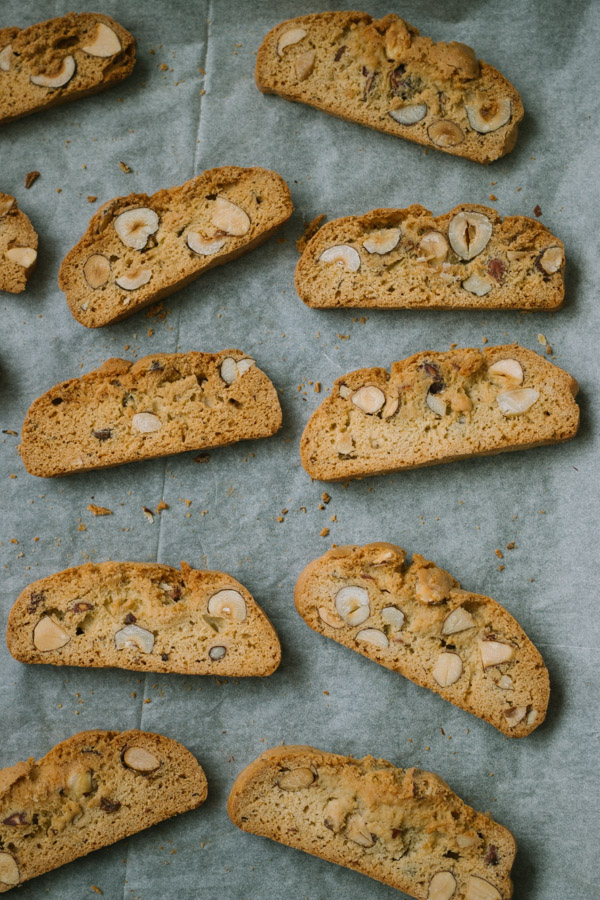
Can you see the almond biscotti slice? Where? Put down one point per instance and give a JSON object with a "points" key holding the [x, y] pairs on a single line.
{"points": [[383, 74], [469, 258], [162, 404], [403, 827], [416, 620], [139, 249], [60, 60], [89, 791], [439, 407], [18, 246], [144, 617]]}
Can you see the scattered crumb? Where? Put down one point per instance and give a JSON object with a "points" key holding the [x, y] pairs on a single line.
{"points": [[164, 67], [317, 390], [81, 527], [99, 510], [125, 168], [501, 568], [324, 532], [30, 178], [156, 310], [309, 231], [96, 889], [325, 498], [511, 546], [493, 197], [499, 554], [537, 210], [202, 458], [148, 513], [484, 340], [160, 506], [92, 198]]}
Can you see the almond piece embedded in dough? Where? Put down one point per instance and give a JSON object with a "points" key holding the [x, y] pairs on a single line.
{"points": [[480, 889], [105, 42], [373, 636], [445, 133], [343, 255], [62, 77], [9, 870], [140, 760], [96, 270], [22, 256], [134, 279], [409, 115], [494, 653], [506, 372], [330, 618], [442, 886], [458, 620], [228, 604], [288, 38], [297, 779], [383, 241], [434, 248], [551, 260], [134, 636], [477, 285], [6, 58], [352, 604], [369, 399], [304, 64], [203, 246], [513, 403], [49, 635], [230, 218], [448, 669], [145, 423], [134, 226]]}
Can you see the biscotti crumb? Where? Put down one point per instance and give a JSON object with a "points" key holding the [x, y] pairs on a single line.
{"points": [[160, 506], [30, 178], [325, 498], [493, 197], [99, 510], [92, 198], [148, 513], [324, 532], [125, 168], [96, 889], [511, 546], [499, 554], [537, 210], [317, 387]]}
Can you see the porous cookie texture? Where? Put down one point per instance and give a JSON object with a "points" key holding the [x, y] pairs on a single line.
{"points": [[416, 620], [162, 404], [469, 258], [60, 60], [89, 791], [382, 73], [18, 246], [145, 617], [139, 249], [404, 827], [439, 407]]}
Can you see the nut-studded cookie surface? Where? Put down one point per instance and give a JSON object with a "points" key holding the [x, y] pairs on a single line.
{"points": [[18, 246]]}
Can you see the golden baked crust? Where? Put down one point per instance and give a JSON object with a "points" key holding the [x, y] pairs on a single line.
{"points": [[162, 404], [383, 74], [406, 258], [439, 407], [195, 622], [401, 827], [18, 246], [418, 622]]}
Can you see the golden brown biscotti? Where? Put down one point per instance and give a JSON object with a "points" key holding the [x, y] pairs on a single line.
{"points": [[18, 246], [144, 617], [91, 790], [403, 827], [139, 249], [60, 60], [162, 404], [383, 74], [469, 258], [439, 407], [416, 620]]}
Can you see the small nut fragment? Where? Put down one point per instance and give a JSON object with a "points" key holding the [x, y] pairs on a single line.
{"points": [[228, 604], [460, 619], [6, 57], [391, 407], [297, 779], [393, 616], [134, 279], [22, 256], [230, 218], [551, 260], [134, 226], [244, 364], [231, 368], [217, 652], [352, 603], [343, 255], [373, 636], [369, 398], [134, 636], [330, 618], [467, 840], [140, 760], [514, 715], [96, 270], [436, 404], [335, 814], [344, 391], [304, 64], [488, 115], [105, 42], [382, 241], [494, 653], [344, 444], [513, 403], [9, 870], [477, 285], [445, 133], [505, 682], [433, 585], [62, 77], [480, 889], [448, 669], [506, 372], [442, 886], [469, 233], [434, 248], [531, 716], [409, 115], [293, 36], [203, 246], [357, 831], [145, 422], [6, 205], [79, 782], [48, 635]]}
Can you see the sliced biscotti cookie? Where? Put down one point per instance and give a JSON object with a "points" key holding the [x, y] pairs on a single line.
{"points": [[139, 249], [60, 60], [162, 404], [383, 74], [404, 827], [18, 246], [145, 617], [416, 620], [439, 407], [469, 258], [89, 791]]}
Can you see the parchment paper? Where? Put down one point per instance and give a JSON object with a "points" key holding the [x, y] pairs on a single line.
{"points": [[168, 122]]}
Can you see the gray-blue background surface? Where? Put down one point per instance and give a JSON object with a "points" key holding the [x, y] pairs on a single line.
{"points": [[160, 123]]}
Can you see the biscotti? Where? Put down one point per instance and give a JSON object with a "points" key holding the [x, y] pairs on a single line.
{"points": [[469, 258], [416, 620], [439, 407], [60, 60], [405, 828], [18, 246], [90, 791], [145, 617], [162, 404], [139, 249], [383, 74]]}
